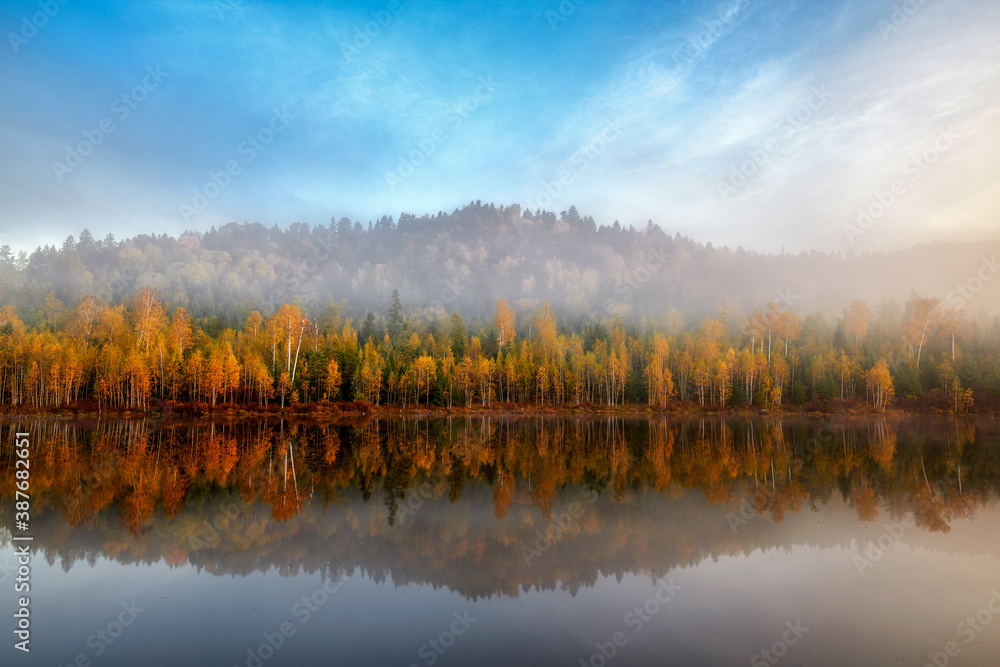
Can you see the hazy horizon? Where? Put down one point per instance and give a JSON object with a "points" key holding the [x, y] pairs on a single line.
{"points": [[102, 233]]}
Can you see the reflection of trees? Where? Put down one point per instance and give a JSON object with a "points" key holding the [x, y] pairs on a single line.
{"points": [[136, 467], [112, 479], [864, 500], [281, 490], [501, 494], [882, 443], [657, 455], [175, 485]]}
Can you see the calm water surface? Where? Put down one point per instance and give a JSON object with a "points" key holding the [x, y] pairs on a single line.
{"points": [[509, 542]]}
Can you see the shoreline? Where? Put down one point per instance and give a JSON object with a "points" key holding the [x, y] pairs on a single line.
{"points": [[329, 411]]}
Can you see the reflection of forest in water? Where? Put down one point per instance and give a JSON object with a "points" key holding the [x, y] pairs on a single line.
{"points": [[453, 502]]}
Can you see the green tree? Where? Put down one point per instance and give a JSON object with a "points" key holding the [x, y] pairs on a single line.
{"points": [[395, 324], [459, 336]]}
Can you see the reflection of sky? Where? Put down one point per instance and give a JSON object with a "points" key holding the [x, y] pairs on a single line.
{"points": [[730, 606]]}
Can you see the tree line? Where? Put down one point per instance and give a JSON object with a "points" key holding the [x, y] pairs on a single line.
{"points": [[131, 355], [465, 260]]}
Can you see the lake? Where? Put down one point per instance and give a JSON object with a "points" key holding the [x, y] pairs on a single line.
{"points": [[507, 541]]}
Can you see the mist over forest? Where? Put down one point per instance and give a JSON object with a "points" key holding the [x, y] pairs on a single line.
{"points": [[465, 260]]}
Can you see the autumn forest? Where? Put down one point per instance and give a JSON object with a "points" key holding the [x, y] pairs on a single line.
{"points": [[80, 329], [133, 355]]}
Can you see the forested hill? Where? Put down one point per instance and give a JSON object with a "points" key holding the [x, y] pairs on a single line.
{"points": [[465, 260]]}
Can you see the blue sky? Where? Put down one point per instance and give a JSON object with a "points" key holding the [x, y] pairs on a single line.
{"points": [[759, 123]]}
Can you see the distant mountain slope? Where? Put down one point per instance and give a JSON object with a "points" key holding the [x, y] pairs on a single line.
{"points": [[465, 260]]}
